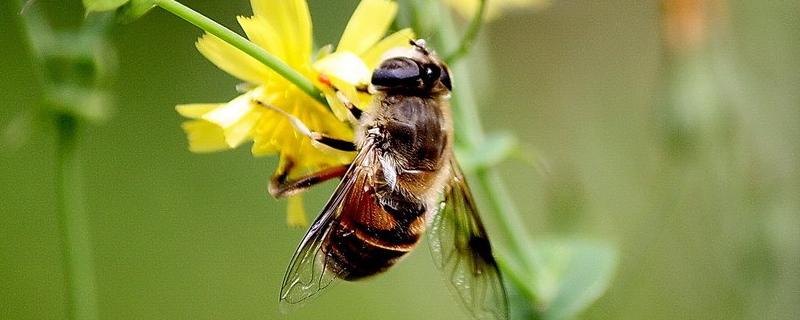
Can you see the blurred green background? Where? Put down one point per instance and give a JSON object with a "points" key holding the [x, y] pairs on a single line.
{"points": [[690, 163]]}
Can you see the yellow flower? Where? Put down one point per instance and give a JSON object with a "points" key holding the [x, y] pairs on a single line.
{"points": [[359, 51], [494, 8], [283, 28]]}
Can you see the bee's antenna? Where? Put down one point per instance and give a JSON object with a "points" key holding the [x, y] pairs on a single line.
{"points": [[420, 45]]}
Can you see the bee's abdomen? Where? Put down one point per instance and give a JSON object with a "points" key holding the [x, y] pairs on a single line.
{"points": [[359, 250]]}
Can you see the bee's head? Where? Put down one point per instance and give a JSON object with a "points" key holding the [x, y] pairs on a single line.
{"points": [[416, 71]]}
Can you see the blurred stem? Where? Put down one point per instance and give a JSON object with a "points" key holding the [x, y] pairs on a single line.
{"points": [[469, 37], [81, 298], [470, 135], [74, 222], [244, 45]]}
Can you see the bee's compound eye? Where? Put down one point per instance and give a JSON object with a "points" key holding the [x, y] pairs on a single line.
{"points": [[396, 72], [430, 73], [445, 79]]}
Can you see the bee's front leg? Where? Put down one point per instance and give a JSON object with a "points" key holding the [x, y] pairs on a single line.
{"points": [[301, 127], [354, 110]]}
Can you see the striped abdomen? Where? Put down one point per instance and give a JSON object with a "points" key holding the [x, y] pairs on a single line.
{"points": [[372, 235]]}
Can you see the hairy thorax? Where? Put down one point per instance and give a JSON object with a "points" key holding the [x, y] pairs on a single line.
{"points": [[412, 140]]}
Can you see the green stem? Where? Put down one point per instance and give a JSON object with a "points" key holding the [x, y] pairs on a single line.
{"points": [[470, 135], [81, 295], [243, 44], [469, 37], [506, 212]]}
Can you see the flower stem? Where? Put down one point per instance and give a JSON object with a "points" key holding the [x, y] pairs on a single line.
{"points": [[470, 135], [243, 44], [469, 36], [81, 296], [79, 271]]}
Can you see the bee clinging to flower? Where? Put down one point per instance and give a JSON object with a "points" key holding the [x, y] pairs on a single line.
{"points": [[399, 175], [403, 182]]}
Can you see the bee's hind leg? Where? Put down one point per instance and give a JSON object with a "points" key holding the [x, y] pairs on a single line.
{"points": [[280, 185], [301, 127]]}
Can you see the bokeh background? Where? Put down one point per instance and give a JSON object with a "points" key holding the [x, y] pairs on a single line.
{"points": [[685, 154]]}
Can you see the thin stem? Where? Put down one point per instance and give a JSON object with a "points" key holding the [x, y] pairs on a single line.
{"points": [[506, 213], [469, 37], [245, 45], [81, 295], [470, 135]]}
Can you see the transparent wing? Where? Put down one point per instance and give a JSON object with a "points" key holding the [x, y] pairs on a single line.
{"points": [[309, 271], [461, 250]]}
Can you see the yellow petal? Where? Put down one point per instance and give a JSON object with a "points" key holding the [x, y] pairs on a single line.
{"points": [[272, 134], [237, 118], [367, 25], [204, 136], [260, 148], [323, 52], [295, 213], [363, 101], [263, 34], [338, 108], [228, 114], [196, 110], [232, 60], [345, 70], [291, 22], [263, 142], [298, 149], [242, 130], [374, 55], [344, 66]]}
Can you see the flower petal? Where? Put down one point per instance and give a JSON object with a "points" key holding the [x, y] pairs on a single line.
{"points": [[260, 148], [204, 136], [374, 55], [344, 66], [232, 60], [345, 70], [196, 110], [237, 118], [295, 213], [367, 25], [263, 34], [228, 114], [242, 130], [291, 22], [264, 142]]}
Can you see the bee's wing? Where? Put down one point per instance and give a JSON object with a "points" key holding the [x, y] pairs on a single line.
{"points": [[307, 273], [461, 250]]}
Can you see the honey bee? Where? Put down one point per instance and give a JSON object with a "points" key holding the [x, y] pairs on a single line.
{"points": [[403, 180]]}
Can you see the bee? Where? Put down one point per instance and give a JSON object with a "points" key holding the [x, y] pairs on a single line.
{"points": [[403, 181]]}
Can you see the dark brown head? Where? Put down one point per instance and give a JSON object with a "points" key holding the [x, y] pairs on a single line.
{"points": [[414, 72]]}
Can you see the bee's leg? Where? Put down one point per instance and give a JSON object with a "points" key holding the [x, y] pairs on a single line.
{"points": [[301, 127], [355, 111], [280, 186]]}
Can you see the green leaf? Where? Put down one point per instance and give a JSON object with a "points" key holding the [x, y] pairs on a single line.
{"points": [[127, 10], [563, 278], [88, 104], [493, 150], [135, 9], [573, 275], [103, 5]]}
